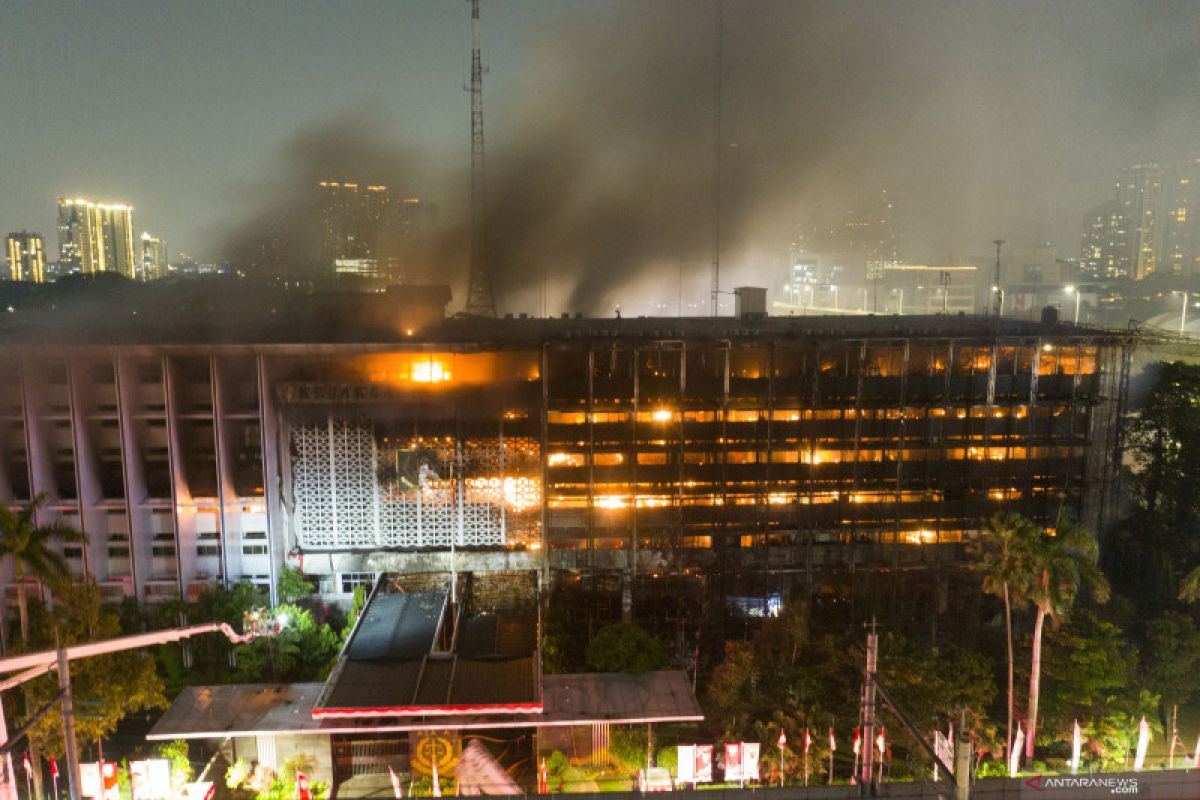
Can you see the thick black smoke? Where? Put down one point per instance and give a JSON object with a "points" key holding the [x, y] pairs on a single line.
{"points": [[982, 121]]}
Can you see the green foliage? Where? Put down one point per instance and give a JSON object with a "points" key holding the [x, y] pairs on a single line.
{"points": [[237, 774], [667, 758], [1171, 660], [292, 586], [1089, 673], [1163, 440], [302, 651], [627, 748], [1160, 539], [176, 752], [111, 686], [356, 607], [557, 764], [554, 639], [624, 647], [33, 549]]}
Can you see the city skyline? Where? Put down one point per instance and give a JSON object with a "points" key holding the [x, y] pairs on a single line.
{"points": [[955, 143]]}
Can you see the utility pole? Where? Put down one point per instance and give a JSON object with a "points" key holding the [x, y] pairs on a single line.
{"points": [[867, 712], [481, 300], [68, 715], [998, 304]]}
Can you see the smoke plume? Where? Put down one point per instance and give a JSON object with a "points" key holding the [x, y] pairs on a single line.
{"points": [[981, 121]]}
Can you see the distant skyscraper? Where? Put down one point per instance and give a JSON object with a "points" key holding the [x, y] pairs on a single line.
{"points": [[1181, 222], [1105, 254], [1139, 197], [1122, 238], [26, 257], [356, 221], [154, 258], [72, 218], [97, 237]]}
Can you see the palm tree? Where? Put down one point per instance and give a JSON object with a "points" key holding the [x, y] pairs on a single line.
{"points": [[1059, 566], [1001, 554], [28, 543]]}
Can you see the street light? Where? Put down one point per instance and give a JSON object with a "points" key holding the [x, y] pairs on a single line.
{"points": [[1000, 308], [1183, 311], [1069, 289]]}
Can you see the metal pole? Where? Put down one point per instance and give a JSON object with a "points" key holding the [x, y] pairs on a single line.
{"points": [[962, 767], [8, 785], [867, 768], [1183, 314], [68, 715]]}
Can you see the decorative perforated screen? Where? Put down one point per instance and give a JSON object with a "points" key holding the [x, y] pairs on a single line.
{"points": [[354, 492]]}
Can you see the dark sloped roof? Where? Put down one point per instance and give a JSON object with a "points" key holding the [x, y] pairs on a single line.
{"points": [[391, 667]]}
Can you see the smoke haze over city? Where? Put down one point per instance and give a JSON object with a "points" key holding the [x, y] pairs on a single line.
{"points": [[980, 122]]}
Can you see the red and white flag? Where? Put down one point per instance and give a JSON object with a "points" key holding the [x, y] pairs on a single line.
{"points": [[397, 789], [53, 768], [782, 739], [881, 742], [807, 740], [437, 782], [303, 791], [543, 779], [857, 740], [28, 765], [832, 741]]}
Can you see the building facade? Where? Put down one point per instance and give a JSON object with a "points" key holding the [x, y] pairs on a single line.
{"points": [[26, 257], [153, 263], [96, 237], [622, 447]]}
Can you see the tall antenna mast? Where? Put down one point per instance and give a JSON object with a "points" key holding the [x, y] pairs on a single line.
{"points": [[716, 200], [481, 302]]}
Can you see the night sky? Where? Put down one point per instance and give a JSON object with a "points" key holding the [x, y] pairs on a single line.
{"points": [[983, 120]]}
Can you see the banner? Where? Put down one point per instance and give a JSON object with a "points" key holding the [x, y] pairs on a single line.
{"points": [[685, 763], [704, 763], [89, 780], [733, 761], [150, 779], [750, 761]]}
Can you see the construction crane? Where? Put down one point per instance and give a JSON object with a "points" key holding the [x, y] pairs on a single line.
{"points": [[481, 302]]}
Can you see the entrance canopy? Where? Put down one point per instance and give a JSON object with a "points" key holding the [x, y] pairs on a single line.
{"points": [[215, 712]]}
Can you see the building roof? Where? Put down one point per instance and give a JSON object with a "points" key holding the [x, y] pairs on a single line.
{"points": [[208, 712], [392, 664], [222, 310]]}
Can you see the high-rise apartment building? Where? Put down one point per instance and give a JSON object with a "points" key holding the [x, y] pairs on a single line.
{"points": [[1181, 222], [72, 218], [96, 237], [26, 257], [356, 219], [1105, 252], [1139, 197], [154, 258], [1124, 237]]}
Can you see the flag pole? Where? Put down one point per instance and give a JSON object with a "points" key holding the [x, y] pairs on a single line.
{"points": [[807, 740], [832, 747]]}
